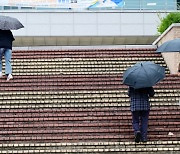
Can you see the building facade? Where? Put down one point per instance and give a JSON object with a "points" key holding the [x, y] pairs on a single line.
{"points": [[51, 23]]}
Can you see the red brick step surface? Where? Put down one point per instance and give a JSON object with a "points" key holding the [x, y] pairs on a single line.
{"points": [[77, 96]]}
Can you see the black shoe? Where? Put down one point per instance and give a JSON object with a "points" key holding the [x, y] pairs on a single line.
{"points": [[137, 137], [144, 140]]}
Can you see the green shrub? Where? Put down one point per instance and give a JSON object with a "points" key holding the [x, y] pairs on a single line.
{"points": [[173, 17]]}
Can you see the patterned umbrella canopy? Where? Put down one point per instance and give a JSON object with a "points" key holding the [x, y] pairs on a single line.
{"points": [[10, 23]]}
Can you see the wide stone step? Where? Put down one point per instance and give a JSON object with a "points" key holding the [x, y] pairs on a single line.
{"points": [[80, 117], [86, 51], [82, 78], [80, 62], [85, 98], [80, 95], [116, 60], [89, 113], [72, 68], [97, 102], [81, 134], [158, 147], [79, 137], [84, 54], [73, 86], [80, 105], [105, 93], [72, 65], [115, 79]]}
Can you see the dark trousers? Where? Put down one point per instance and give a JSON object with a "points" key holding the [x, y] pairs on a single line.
{"points": [[140, 122]]}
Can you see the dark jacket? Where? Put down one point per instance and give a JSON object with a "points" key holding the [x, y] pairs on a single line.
{"points": [[6, 39], [140, 98]]}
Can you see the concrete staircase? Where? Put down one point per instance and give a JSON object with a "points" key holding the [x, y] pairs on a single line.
{"points": [[73, 101]]}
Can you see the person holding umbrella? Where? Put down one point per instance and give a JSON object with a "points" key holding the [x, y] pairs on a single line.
{"points": [[6, 38], [141, 78], [179, 70], [140, 108]]}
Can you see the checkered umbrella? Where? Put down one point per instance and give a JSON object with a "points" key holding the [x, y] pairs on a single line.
{"points": [[10, 23], [143, 74]]}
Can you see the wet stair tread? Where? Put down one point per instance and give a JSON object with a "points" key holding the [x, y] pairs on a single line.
{"points": [[74, 101]]}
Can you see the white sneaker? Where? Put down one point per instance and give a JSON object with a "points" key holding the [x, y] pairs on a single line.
{"points": [[9, 77], [1, 75]]}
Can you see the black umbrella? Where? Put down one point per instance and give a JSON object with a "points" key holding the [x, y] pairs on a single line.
{"points": [[143, 74], [10, 23], [170, 46]]}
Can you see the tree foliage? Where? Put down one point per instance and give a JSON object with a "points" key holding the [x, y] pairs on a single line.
{"points": [[173, 17]]}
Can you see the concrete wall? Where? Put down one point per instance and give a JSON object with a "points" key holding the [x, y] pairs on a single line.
{"points": [[172, 58], [67, 23]]}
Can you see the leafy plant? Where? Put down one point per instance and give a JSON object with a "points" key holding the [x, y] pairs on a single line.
{"points": [[173, 17]]}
